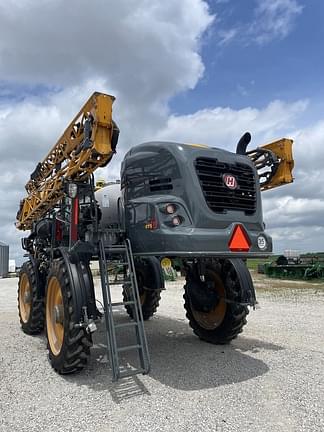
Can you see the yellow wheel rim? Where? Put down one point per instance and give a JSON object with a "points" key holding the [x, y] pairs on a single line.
{"points": [[54, 316], [213, 319], [25, 298], [143, 297], [140, 283]]}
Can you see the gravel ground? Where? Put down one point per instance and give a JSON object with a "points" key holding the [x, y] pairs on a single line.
{"points": [[269, 379]]}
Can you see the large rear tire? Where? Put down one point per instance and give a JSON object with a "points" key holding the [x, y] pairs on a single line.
{"points": [[150, 283], [30, 301], [68, 343], [226, 319]]}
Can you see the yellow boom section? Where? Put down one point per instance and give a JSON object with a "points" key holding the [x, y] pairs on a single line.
{"points": [[88, 143], [274, 163], [283, 175]]}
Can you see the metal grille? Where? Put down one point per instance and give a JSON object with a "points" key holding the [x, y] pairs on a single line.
{"points": [[160, 184], [218, 196]]}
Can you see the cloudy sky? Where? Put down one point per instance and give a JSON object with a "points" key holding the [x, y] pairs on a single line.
{"points": [[189, 70]]}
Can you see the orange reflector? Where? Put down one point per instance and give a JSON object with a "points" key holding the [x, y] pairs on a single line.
{"points": [[239, 241]]}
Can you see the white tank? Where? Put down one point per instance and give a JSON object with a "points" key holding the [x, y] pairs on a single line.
{"points": [[107, 198]]}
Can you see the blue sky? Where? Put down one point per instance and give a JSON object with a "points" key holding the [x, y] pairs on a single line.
{"points": [[243, 72], [189, 71]]}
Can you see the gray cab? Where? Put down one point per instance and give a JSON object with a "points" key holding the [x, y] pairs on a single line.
{"points": [[187, 200]]}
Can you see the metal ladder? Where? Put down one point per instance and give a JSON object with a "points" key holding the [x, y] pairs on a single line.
{"points": [[124, 250]]}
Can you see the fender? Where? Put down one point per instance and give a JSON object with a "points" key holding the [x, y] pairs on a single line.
{"points": [[246, 283], [154, 279], [40, 279], [82, 285]]}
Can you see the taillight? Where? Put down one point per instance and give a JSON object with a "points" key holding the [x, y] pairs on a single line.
{"points": [[151, 224], [170, 208], [176, 220], [173, 215]]}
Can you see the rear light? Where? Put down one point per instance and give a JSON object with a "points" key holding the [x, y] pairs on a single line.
{"points": [[151, 224], [176, 220], [169, 208], [173, 214]]}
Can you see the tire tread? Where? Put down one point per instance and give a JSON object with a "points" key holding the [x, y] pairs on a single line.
{"points": [[35, 324]]}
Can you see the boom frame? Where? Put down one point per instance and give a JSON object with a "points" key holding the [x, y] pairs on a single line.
{"points": [[89, 142]]}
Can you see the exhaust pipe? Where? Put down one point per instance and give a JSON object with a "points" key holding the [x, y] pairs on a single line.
{"points": [[243, 143]]}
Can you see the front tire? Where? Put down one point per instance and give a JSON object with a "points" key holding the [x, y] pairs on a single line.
{"points": [[150, 282], [30, 301], [68, 344], [226, 319]]}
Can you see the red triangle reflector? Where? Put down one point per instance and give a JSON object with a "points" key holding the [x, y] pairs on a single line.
{"points": [[239, 241]]}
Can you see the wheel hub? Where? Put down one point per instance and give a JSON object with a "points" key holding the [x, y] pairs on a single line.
{"points": [[208, 306], [27, 297], [58, 313], [203, 296]]}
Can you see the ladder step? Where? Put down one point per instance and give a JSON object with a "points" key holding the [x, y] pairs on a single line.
{"points": [[120, 282], [118, 249], [129, 348], [125, 374], [131, 302], [129, 324]]}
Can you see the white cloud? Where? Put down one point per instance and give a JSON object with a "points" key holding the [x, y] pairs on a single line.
{"points": [[301, 238], [142, 48], [274, 19], [310, 148], [226, 36], [292, 212], [222, 127]]}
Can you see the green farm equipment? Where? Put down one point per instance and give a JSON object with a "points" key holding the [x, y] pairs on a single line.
{"points": [[303, 267]]}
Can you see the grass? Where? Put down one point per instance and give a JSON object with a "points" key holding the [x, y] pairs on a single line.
{"points": [[252, 263]]}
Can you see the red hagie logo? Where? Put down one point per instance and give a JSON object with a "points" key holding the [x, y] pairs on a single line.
{"points": [[230, 181]]}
